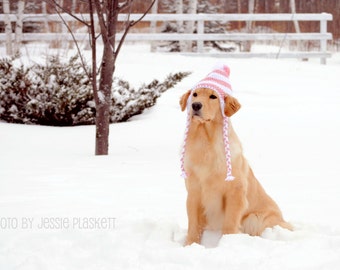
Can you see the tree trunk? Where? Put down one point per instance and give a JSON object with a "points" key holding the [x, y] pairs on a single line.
{"points": [[190, 26], [63, 30], [108, 9], [153, 26], [239, 10], [249, 26], [296, 24], [107, 13], [44, 11], [8, 27], [74, 23], [104, 100], [277, 6], [19, 25], [179, 10]]}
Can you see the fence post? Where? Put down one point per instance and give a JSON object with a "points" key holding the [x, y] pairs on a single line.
{"points": [[200, 30], [153, 26], [19, 26], [323, 42], [8, 27]]}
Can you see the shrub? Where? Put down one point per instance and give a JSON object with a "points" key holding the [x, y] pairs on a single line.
{"points": [[14, 88], [60, 94]]}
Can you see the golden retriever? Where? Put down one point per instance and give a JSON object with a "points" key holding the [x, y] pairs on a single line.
{"points": [[238, 206]]}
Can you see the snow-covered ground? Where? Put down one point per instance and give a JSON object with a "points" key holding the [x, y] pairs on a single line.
{"points": [[127, 210]]}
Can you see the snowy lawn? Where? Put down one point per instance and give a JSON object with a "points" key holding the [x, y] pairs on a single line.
{"points": [[127, 210]]}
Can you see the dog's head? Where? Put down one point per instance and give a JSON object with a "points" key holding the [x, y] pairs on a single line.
{"points": [[204, 104]]}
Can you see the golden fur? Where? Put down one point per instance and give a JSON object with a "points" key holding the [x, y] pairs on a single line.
{"points": [[238, 206]]}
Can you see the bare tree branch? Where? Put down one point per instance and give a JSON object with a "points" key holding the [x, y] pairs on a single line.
{"points": [[127, 22], [56, 5], [101, 20], [142, 17], [130, 24], [112, 22], [94, 54], [124, 5], [76, 43]]}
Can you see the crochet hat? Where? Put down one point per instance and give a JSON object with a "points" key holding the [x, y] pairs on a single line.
{"points": [[218, 81]]}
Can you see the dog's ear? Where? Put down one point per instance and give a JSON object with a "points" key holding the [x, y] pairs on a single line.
{"points": [[231, 106], [184, 99]]}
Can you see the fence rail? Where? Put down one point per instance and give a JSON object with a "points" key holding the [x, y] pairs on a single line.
{"points": [[184, 17], [323, 36]]}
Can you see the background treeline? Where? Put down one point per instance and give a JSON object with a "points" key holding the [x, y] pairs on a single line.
{"points": [[217, 6]]}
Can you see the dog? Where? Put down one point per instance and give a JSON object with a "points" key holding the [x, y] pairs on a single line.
{"points": [[237, 206]]}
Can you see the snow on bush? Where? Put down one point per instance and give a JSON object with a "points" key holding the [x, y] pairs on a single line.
{"points": [[60, 94]]}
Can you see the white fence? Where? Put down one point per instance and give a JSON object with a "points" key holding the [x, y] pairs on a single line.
{"points": [[323, 36]]}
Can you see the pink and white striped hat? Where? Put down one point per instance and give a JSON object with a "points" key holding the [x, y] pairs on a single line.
{"points": [[218, 81]]}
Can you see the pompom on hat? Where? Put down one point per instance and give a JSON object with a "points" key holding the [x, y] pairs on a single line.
{"points": [[218, 81]]}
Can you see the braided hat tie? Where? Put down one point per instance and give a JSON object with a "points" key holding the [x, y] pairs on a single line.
{"points": [[218, 81]]}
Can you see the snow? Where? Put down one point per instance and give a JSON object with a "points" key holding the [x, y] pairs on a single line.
{"points": [[101, 96], [289, 126]]}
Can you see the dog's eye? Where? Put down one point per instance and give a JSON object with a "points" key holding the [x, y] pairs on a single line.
{"points": [[195, 94], [212, 97]]}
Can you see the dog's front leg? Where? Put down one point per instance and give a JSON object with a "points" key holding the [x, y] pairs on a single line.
{"points": [[235, 206], [196, 218]]}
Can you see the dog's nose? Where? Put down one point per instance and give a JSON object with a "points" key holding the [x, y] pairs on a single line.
{"points": [[196, 106]]}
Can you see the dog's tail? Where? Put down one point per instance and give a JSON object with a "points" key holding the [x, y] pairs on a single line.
{"points": [[286, 225]]}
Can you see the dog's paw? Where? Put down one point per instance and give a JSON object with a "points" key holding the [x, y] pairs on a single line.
{"points": [[191, 240]]}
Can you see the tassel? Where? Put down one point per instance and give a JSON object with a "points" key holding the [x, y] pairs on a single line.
{"points": [[229, 177]]}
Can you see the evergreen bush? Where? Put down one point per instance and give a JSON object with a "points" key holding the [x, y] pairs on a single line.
{"points": [[60, 94]]}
